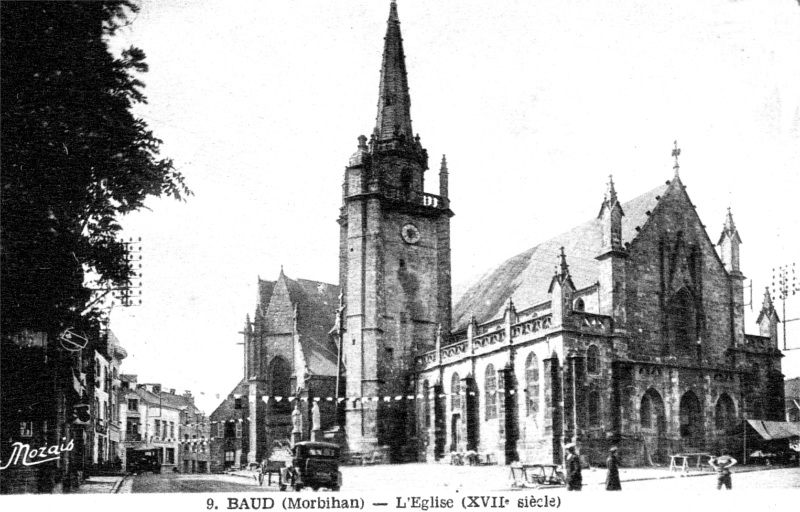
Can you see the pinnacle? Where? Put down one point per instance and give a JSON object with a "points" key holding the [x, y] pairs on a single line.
{"points": [[564, 267], [729, 224], [611, 193]]}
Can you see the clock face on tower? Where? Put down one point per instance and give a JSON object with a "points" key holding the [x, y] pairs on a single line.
{"points": [[410, 234]]}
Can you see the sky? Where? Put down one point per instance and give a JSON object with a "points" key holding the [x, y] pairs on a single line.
{"points": [[535, 104]]}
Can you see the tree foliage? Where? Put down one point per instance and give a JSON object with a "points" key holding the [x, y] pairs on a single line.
{"points": [[74, 157]]}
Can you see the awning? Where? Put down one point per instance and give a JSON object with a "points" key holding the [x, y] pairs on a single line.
{"points": [[770, 430]]}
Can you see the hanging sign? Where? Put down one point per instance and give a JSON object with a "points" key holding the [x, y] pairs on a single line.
{"points": [[72, 341]]}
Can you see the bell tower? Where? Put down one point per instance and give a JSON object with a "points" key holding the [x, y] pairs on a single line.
{"points": [[394, 263]]}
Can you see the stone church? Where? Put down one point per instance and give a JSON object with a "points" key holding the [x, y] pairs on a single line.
{"points": [[637, 337]]}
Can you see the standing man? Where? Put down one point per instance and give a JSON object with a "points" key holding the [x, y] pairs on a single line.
{"points": [[574, 477], [722, 465], [612, 479]]}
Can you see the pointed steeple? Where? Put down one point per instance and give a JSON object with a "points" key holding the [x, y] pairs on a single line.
{"points": [[394, 101]]}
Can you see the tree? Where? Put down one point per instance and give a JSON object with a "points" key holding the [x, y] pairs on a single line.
{"points": [[75, 160]]}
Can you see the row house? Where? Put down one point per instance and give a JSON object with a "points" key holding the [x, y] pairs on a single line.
{"points": [[160, 421]]}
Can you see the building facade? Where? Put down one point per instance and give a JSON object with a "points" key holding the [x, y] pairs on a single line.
{"points": [[152, 422], [290, 363], [637, 339], [230, 431]]}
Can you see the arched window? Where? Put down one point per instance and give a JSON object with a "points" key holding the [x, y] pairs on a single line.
{"points": [[592, 359], [490, 389], [682, 321], [724, 412], [426, 403], [579, 305], [280, 375], [532, 384], [594, 408], [455, 392]]}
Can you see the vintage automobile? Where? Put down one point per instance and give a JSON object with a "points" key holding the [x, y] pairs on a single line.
{"points": [[314, 465], [140, 461]]}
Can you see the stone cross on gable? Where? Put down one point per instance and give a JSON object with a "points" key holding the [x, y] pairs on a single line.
{"points": [[676, 152]]}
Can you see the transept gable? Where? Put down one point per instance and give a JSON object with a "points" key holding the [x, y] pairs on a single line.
{"points": [[685, 225], [279, 315]]}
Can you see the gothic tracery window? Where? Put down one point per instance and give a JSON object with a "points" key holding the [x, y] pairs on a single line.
{"points": [[426, 403], [280, 375], [455, 392], [532, 384], [682, 320], [490, 388], [592, 359]]}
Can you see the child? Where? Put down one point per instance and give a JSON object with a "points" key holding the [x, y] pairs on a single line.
{"points": [[722, 465]]}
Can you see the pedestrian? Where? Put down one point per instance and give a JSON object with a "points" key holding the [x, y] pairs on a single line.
{"points": [[612, 463], [722, 465], [574, 477]]}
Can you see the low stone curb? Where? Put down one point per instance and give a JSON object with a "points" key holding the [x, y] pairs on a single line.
{"points": [[254, 476], [118, 485], [695, 474]]}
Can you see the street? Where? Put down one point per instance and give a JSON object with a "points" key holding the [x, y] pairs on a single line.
{"points": [[176, 482], [439, 477]]}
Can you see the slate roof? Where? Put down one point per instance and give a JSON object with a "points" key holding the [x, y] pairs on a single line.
{"points": [[162, 401], [792, 388], [226, 407], [527, 276], [316, 304]]}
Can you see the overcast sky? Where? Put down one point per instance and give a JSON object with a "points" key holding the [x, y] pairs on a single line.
{"points": [[534, 103]]}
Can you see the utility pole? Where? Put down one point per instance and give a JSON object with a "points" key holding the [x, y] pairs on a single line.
{"points": [[784, 283], [127, 294]]}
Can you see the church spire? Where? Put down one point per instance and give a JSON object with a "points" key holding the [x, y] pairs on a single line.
{"points": [[394, 101]]}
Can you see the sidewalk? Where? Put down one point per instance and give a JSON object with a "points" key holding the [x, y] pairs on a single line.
{"points": [[597, 476], [100, 485]]}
